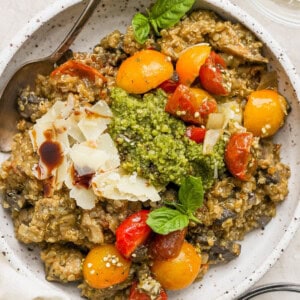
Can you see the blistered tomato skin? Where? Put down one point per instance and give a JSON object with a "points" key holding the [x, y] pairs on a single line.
{"points": [[79, 69], [179, 272], [169, 86], [238, 157], [196, 134], [167, 246], [190, 61], [191, 104], [132, 232], [143, 71], [264, 112], [211, 75], [104, 266]]}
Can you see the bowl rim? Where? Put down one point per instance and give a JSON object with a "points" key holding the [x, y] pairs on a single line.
{"points": [[25, 33], [285, 62], [235, 12]]}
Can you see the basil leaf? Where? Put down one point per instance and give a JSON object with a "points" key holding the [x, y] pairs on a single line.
{"points": [[166, 13], [165, 220], [191, 194], [141, 27]]}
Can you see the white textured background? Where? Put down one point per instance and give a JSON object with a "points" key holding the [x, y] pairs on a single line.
{"points": [[15, 14]]}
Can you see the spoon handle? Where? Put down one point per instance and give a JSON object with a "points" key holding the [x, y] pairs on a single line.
{"points": [[66, 43], [270, 288]]}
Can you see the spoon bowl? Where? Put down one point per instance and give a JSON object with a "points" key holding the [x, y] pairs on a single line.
{"points": [[26, 75]]}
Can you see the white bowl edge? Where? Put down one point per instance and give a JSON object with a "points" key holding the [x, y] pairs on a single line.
{"points": [[45, 15]]}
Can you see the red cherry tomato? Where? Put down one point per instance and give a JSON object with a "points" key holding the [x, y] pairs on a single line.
{"points": [[238, 156], [196, 134], [79, 69], [211, 76], [167, 246], [169, 86], [132, 232], [136, 294], [190, 104]]}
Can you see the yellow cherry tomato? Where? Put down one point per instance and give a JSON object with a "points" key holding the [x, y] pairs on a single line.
{"points": [[143, 71], [105, 266], [190, 61], [264, 112], [179, 272]]}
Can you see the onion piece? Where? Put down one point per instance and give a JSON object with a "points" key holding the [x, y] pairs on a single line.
{"points": [[232, 111], [216, 121], [211, 138]]}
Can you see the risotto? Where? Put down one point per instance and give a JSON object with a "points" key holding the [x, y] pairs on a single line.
{"points": [[145, 160]]}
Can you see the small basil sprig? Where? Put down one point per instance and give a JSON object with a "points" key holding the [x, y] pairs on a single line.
{"points": [[163, 14], [190, 197]]}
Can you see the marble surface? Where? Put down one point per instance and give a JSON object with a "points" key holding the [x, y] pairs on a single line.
{"points": [[16, 14]]}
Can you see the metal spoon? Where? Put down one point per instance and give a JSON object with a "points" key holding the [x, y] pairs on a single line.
{"points": [[270, 288], [26, 75]]}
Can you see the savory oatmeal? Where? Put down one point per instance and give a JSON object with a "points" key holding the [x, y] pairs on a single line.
{"points": [[149, 158]]}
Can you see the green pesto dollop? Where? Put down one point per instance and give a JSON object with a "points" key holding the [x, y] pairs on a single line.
{"points": [[153, 143]]}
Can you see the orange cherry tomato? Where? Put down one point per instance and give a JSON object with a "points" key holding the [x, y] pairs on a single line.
{"points": [[79, 69], [190, 104], [208, 104], [264, 112], [143, 71], [238, 156], [105, 266], [211, 76], [179, 272], [190, 61]]}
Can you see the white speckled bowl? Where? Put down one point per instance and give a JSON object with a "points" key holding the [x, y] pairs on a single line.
{"points": [[260, 249]]}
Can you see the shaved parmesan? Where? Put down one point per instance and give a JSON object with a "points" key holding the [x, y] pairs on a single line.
{"points": [[102, 108], [95, 120], [85, 198], [88, 159], [92, 128], [118, 186], [106, 144], [73, 129]]}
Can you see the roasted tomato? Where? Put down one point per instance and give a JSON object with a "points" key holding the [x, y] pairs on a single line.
{"points": [[169, 86], [79, 69], [211, 75], [238, 157], [190, 104], [132, 232], [208, 103], [190, 61], [179, 272], [143, 71], [167, 246], [136, 294], [104, 266], [264, 112], [196, 134]]}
